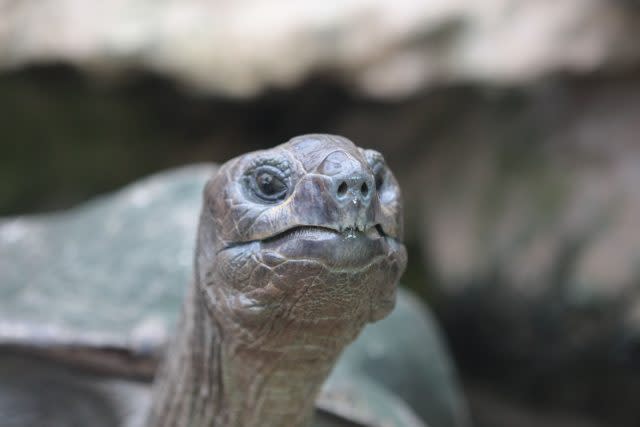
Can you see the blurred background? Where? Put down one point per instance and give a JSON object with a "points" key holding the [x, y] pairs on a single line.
{"points": [[512, 125]]}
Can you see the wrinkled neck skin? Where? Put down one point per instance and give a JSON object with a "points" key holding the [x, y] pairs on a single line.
{"points": [[209, 379]]}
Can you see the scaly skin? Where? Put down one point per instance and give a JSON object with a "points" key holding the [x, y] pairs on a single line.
{"points": [[282, 283]]}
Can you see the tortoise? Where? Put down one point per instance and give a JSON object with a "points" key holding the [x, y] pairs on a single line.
{"points": [[298, 247]]}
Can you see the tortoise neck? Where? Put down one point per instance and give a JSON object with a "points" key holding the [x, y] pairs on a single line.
{"points": [[210, 379]]}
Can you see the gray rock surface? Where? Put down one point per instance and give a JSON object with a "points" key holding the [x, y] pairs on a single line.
{"points": [[386, 48]]}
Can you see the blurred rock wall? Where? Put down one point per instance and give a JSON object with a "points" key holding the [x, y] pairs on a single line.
{"points": [[384, 48]]}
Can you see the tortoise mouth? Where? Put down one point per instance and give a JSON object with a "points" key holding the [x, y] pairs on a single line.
{"points": [[348, 248], [320, 233]]}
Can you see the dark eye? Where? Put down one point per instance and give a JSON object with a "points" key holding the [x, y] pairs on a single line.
{"points": [[376, 162], [269, 186], [379, 175]]}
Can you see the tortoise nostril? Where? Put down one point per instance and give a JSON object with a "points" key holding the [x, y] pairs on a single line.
{"points": [[364, 189], [342, 188]]}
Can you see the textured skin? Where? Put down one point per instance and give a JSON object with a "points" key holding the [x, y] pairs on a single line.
{"points": [[282, 287]]}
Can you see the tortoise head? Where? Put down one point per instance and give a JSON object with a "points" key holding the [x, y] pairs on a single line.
{"points": [[301, 240]]}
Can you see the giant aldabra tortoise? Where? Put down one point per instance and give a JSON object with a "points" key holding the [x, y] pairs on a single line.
{"points": [[298, 247]]}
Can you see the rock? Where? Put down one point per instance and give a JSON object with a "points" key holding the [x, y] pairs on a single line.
{"points": [[386, 49]]}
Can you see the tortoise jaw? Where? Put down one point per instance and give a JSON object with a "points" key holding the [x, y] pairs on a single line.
{"points": [[318, 232], [349, 248], [315, 232]]}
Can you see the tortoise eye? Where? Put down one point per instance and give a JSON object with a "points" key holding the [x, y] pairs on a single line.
{"points": [[379, 177], [379, 174], [377, 165], [269, 186]]}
